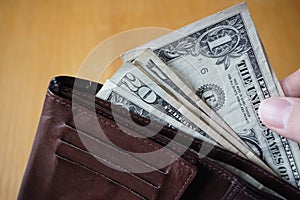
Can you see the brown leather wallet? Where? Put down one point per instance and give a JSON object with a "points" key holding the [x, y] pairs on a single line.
{"points": [[61, 167]]}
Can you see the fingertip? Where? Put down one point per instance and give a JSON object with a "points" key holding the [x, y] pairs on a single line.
{"points": [[275, 112], [281, 115]]}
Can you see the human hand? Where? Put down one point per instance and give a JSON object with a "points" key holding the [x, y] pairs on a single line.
{"points": [[282, 114]]}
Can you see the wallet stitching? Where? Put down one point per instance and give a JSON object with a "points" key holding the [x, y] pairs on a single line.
{"points": [[249, 195], [232, 191], [100, 174], [219, 171], [192, 172]]}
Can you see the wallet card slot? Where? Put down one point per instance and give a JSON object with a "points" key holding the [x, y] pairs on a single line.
{"points": [[155, 177], [97, 160], [84, 135], [103, 176], [99, 141], [130, 181]]}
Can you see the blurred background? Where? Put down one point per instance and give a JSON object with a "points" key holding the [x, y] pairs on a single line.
{"points": [[43, 39]]}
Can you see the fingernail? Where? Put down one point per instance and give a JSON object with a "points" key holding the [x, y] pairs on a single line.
{"points": [[275, 112]]}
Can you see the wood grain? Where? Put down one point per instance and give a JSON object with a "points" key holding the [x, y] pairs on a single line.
{"points": [[42, 39]]}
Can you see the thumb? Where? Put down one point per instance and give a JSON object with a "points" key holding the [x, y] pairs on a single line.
{"points": [[282, 115]]}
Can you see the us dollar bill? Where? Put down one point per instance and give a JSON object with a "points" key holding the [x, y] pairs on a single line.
{"points": [[133, 80], [222, 60]]}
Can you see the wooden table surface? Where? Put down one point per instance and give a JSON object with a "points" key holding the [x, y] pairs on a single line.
{"points": [[42, 39]]}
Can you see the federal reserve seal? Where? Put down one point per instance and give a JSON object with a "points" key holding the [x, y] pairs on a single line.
{"points": [[213, 95]]}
